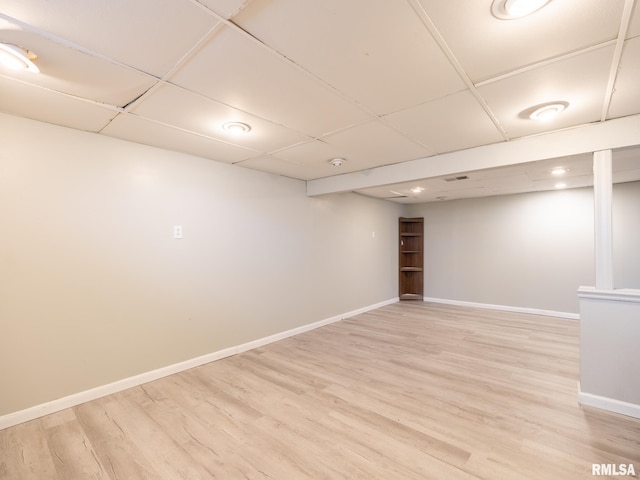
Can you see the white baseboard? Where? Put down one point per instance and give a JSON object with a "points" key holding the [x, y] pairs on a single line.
{"points": [[609, 404], [69, 401], [533, 311]]}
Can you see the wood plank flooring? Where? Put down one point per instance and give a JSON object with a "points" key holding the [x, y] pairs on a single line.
{"points": [[408, 391]]}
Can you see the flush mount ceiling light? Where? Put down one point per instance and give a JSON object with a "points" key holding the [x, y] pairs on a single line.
{"points": [[559, 171], [15, 57], [512, 9], [417, 189], [237, 127], [548, 111], [337, 162]]}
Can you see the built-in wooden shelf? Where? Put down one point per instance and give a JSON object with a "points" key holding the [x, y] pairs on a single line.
{"points": [[411, 234]]}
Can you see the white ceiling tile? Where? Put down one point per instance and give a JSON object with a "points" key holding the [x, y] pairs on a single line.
{"points": [[29, 101], [314, 151], [519, 181], [579, 80], [473, 192], [273, 164], [569, 182], [435, 189], [634, 24], [249, 77], [224, 8], [70, 71], [376, 51], [174, 106], [523, 177], [576, 166], [626, 95], [315, 156], [395, 193], [376, 144], [313, 79], [454, 122], [136, 129], [149, 35], [487, 46]]}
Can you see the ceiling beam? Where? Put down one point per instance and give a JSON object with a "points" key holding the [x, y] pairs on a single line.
{"points": [[612, 134]]}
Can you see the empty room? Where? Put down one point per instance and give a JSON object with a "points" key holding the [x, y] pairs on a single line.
{"points": [[295, 239]]}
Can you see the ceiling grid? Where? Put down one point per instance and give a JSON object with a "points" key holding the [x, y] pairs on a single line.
{"points": [[402, 92]]}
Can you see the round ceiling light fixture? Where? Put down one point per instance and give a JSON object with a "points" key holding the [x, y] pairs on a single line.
{"points": [[417, 189], [512, 9], [337, 162], [548, 111], [559, 171], [237, 127], [16, 57]]}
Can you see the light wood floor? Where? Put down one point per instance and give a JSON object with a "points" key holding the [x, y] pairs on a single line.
{"points": [[409, 391]]}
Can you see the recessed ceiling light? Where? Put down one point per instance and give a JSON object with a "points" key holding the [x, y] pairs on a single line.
{"points": [[559, 171], [512, 9], [337, 162], [560, 185], [417, 189], [15, 57], [237, 127], [548, 111]]}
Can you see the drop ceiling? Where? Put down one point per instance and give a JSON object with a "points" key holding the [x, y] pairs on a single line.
{"points": [[375, 82]]}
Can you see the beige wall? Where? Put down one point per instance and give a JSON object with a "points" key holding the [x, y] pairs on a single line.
{"points": [[609, 360], [626, 235], [93, 288], [529, 250]]}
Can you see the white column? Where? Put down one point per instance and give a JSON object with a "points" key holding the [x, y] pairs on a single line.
{"points": [[603, 190]]}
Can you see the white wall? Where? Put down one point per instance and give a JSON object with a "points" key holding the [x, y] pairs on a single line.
{"points": [[93, 288], [610, 319], [626, 235], [609, 355], [529, 250]]}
